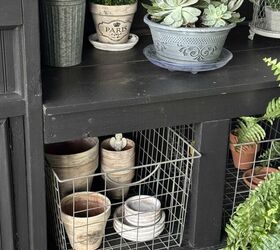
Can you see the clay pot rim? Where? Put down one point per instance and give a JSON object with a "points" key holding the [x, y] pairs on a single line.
{"points": [[105, 214], [80, 154], [122, 10], [107, 142], [248, 146], [247, 175]]}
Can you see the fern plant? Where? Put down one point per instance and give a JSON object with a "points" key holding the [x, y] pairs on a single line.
{"points": [[249, 128], [255, 223], [272, 153]]}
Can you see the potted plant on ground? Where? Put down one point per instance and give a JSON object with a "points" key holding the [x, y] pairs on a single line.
{"points": [[249, 131], [256, 222], [191, 31], [272, 12], [113, 19]]}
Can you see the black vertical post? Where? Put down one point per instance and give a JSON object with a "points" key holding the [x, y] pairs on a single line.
{"points": [[6, 200], [205, 218]]}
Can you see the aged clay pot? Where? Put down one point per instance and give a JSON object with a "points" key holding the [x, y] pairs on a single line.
{"points": [[259, 174], [243, 158], [72, 159], [85, 229]]}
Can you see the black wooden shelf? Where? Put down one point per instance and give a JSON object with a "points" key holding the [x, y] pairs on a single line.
{"points": [[110, 87]]}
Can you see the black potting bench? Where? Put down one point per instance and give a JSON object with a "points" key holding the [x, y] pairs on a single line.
{"points": [[115, 92]]}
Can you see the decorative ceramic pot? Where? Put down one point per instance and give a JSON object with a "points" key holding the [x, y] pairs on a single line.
{"points": [[113, 22], [272, 19], [188, 45], [243, 157], [62, 31]]}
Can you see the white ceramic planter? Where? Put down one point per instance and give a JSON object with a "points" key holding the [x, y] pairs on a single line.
{"points": [[188, 45], [113, 23], [272, 19]]}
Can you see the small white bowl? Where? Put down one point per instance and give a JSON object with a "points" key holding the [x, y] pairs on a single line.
{"points": [[132, 41], [142, 210], [134, 233]]}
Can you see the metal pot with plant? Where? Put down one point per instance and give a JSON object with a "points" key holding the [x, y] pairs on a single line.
{"points": [[191, 31], [256, 222], [272, 12], [248, 132], [113, 19]]}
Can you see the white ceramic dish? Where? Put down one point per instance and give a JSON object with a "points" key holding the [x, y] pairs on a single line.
{"points": [[134, 233], [132, 41], [142, 210]]}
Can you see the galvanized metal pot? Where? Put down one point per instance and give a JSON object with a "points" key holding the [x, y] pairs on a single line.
{"points": [[113, 23], [185, 45], [272, 19], [62, 31]]}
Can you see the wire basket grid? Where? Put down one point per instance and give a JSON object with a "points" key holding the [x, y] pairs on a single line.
{"points": [[164, 160]]}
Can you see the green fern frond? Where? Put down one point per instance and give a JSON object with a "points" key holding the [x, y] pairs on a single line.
{"points": [[272, 110], [249, 130], [275, 66], [273, 152]]}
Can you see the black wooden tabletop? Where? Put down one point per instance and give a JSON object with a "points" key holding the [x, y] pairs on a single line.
{"points": [[112, 80]]}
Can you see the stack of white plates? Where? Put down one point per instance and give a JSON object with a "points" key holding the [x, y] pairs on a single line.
{"points": [[139, 219]]}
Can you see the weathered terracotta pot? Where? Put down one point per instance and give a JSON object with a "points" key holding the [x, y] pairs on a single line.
{"points": [[253, 179], [72, 159], [119, 167], [243, 158], [86, 229], [113, 22]]}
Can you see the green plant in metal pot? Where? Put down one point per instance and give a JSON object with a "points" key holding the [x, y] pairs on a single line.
{"points": [[255, 224], [191, 30], [113, 19], [249, 131]]}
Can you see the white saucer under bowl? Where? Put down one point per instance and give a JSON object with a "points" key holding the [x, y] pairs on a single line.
{"points": [[192, 67], [132, 41]]}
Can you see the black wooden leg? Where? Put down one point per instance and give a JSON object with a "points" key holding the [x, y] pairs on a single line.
{"points": [[205, 218]]}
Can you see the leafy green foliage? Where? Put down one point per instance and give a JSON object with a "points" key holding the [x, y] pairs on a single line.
{"points": [[194, 13], [249, 130], [255, 223], [275, 66], [113, 2], [272, 152]]}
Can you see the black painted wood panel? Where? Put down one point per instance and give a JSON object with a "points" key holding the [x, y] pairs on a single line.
{"points": [[10, 13], [6, 191], [10, 71]]}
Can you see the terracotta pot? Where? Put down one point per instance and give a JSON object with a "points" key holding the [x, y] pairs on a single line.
{"points": [[260, 174], [72, 159], [119, 167], [86, 229], [243, 158], [113, 22]]}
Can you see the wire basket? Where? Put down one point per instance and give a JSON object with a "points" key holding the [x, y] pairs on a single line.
{"points": [[266, 160], [266, 18], [164, 159]]}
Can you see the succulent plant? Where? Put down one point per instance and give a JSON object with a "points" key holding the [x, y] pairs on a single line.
{"points": [[192, 13], [174, 13], [118, 142], [220, 13]]}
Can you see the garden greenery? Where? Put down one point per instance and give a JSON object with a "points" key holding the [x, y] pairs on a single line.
{"points": [[248, 127], [255, 224], [194, 13]]}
